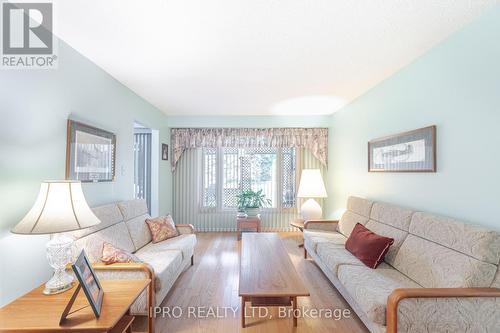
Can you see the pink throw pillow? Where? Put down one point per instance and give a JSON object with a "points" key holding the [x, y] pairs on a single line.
{"points": [[162, 228]]}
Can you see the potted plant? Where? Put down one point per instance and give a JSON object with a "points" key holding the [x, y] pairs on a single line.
{"points": [[251, 202]]}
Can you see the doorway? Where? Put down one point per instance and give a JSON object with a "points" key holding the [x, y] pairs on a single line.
{"points": [[146, 166]]}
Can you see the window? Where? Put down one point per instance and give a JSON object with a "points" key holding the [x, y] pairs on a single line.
{"points": [[272, 170], [209, 176]]}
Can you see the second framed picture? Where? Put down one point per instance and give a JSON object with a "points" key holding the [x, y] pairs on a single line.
{"points": [[413, 151], [164, 152]]}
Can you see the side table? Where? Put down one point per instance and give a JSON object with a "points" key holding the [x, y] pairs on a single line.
{"points": [[36, 312], [299, 224], [249, 222]]}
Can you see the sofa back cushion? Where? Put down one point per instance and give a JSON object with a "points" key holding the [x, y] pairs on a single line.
{"points": [[358, 211], [434, 266], [496, 280], [395, 216], [108, 215], [117, 235], [135, 213], [348, 221], [359, 206], [388, 231], [475, 241]]}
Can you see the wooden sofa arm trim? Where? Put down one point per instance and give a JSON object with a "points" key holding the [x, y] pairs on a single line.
{"points": [[401, 293], [136, 266], [319, 221], [190, 226]]}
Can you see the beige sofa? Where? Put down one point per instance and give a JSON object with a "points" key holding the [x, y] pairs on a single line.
{"points": [[441, 275], [123, 225]]}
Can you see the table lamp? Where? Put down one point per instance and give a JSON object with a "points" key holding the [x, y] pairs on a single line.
{"points": [[59, 207], [311, 186]]}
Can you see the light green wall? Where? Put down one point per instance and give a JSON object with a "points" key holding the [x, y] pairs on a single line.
{"points": [[455, 86], [34, 107]]}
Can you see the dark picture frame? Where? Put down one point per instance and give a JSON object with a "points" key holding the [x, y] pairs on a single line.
{"points": [[89, 282], [412, 151], [90, 153], [164, 152]]}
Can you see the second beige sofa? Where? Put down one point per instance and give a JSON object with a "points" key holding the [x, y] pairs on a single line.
{"points": [[405, 293]]}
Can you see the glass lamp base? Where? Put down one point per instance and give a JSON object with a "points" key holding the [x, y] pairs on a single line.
{"points": [[59, 254], [53, 291]]}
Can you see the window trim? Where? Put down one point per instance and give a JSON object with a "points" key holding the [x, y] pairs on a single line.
{"points": [[219, 207]]}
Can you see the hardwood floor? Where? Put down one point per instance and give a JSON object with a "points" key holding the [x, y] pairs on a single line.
{"points": [[213, 282]]}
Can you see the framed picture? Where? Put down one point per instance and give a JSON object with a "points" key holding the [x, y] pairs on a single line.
{"points": [[413, 151], [89, 282], [90, 153], [164, 152]]}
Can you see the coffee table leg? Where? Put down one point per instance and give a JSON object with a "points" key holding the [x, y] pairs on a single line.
{"points": [[294, 309], [242, 312]]}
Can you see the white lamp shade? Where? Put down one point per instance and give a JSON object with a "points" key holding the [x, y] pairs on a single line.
{"points": [[311, 184], [60, 207]]}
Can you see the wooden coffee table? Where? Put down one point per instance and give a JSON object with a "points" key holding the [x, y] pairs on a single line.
{"points": [[267, 275]]}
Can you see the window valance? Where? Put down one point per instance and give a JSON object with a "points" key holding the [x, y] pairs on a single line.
{"points": [[314, 139]]}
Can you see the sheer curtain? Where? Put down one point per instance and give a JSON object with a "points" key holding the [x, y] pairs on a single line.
{"points": [[187, 187]]}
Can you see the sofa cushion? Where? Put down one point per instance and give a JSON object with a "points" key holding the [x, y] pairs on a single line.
{"points": [[165, 263], [388, 231], [392, 215], [333, 256], [359, 206], [367, 246], [139, 230], [371, 287], [446, 315], [108, 215], [111, 255], [133, 208], [348, 220], [184, 243], [435, 266], [496, 279], [475, 241], [313, 238], [117, 235]]}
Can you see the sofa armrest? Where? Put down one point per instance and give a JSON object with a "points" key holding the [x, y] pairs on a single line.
{"points": [[128, 270], [185, 228], [433, 300], [324, 225]]}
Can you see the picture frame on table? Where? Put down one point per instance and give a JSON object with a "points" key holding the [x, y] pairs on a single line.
{"points": [[89, 282]]}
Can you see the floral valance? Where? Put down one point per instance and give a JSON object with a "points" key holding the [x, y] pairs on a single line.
{"points": [[314, 139]]}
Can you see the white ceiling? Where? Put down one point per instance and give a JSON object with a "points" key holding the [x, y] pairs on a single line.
{"points": [[256, 57]]}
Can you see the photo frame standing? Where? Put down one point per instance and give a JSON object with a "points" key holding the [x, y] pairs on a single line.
{"points": [[89, 282], [413, 151]]}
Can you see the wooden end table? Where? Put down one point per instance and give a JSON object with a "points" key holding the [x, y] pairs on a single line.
{"points": [[249, 222], [36, 312], [299, 224]]}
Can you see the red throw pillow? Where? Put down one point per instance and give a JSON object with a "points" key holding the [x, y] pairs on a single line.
{"points": [[367, 246]]}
